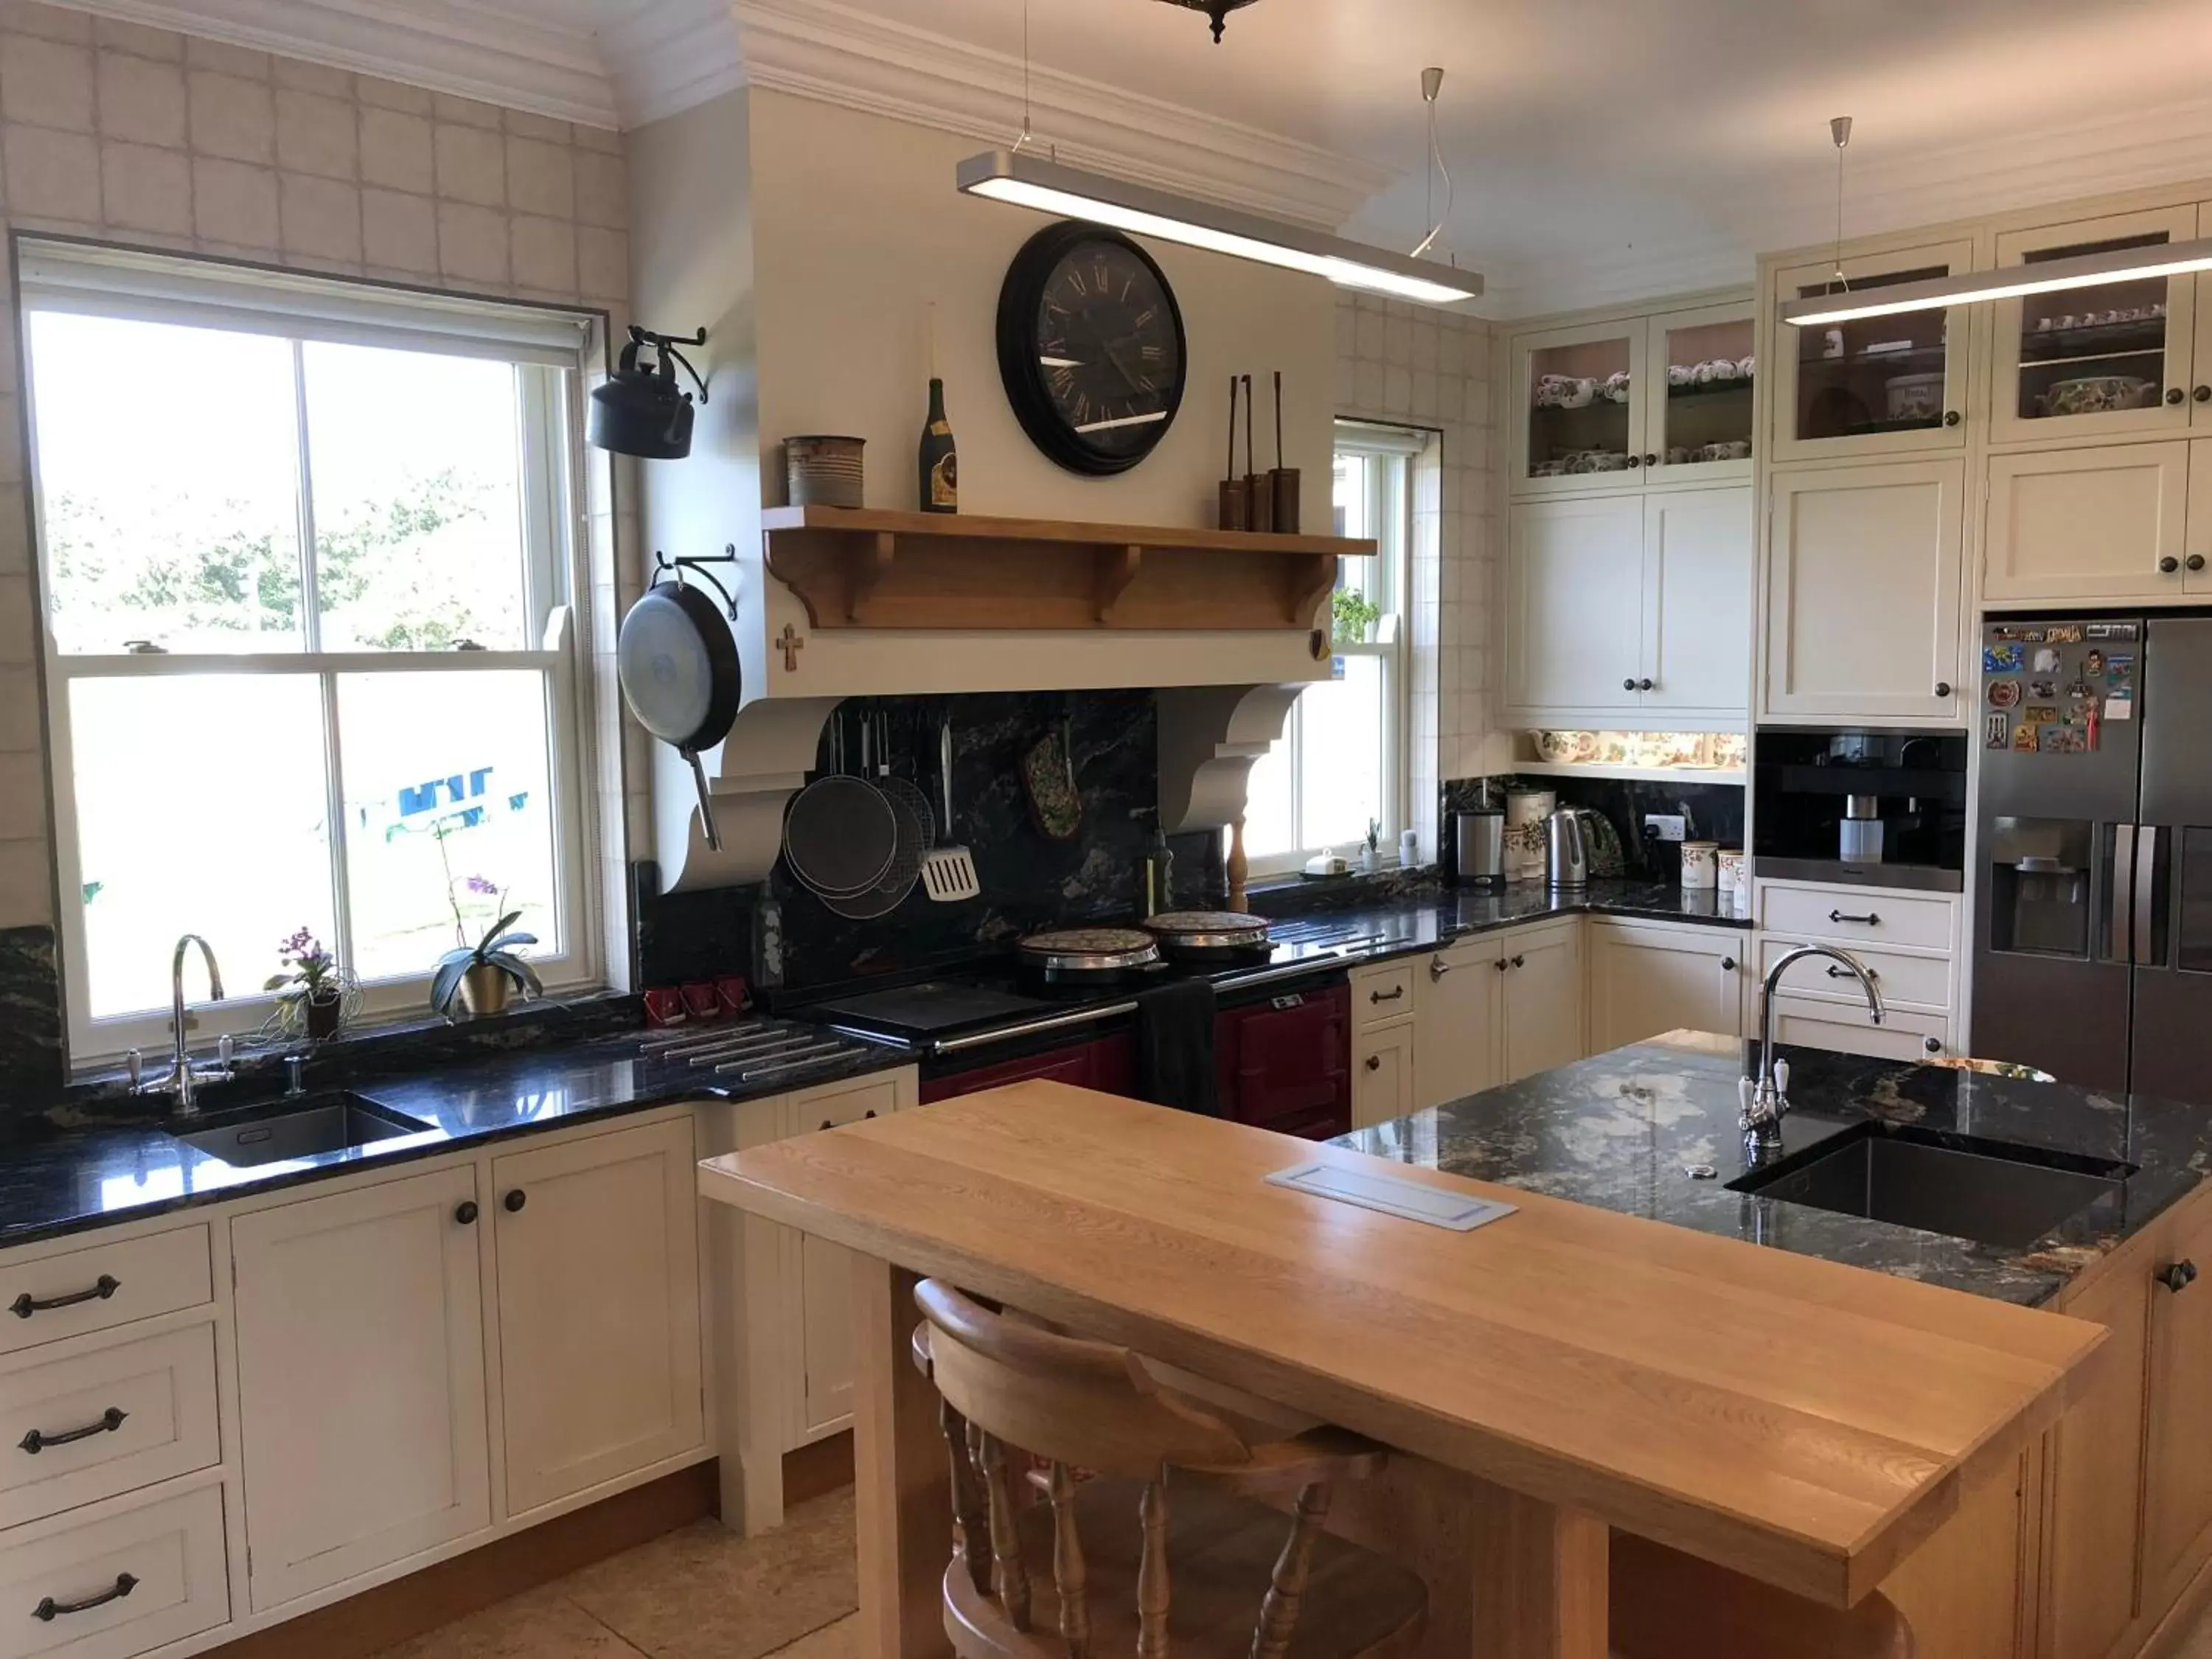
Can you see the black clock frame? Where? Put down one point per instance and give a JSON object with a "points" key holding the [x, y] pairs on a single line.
{"points": [[1023, 376]]}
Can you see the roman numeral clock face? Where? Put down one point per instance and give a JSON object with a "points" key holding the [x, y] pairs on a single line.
{"points": [[1091, 347]]}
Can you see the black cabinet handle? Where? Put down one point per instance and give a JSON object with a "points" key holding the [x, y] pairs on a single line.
{"points": [[2168, 565], [2174, 394], [515, 1200], [2178, 1276], [37, 1441], [1438, 967], [1650, 460], [871, 1112], [1374, 1062], [1943, 688], [1871, 919], [1643, 685], [1952, 417], [2195, 561], [2204, 394], [1390, 995], [1728, 964], [103, 1287], [465, 1213], [1932, 1045], [1501, 964], [1520, 961], [1844, 973], [1636, 460], [1628, 685], [48, 1609]]}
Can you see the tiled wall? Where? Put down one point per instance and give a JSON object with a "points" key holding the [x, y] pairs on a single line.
{"points": [[1421, 368], [140, 136]]}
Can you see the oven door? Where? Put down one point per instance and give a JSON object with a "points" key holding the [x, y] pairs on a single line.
{"points": [[1102, 1063], [1285, 1063]]}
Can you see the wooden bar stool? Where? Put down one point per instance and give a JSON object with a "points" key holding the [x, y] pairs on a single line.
{"points": [[1175, 1489]]}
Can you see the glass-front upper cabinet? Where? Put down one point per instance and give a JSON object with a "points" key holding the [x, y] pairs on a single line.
{"points": [[1697, 399], [2106, 360], [1877, 386], [1578, 419]]}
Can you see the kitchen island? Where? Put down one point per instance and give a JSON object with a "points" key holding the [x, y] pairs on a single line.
{"points": [[1800, 1422]]}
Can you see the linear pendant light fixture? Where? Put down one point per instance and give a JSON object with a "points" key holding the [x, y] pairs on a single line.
{"points": [[1028, 179], [2044, 277]]}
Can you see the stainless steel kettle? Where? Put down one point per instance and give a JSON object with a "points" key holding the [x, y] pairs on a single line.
{"points": [[1566, 862]]}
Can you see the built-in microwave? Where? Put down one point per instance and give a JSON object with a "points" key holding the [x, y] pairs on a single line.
{"points": [[1882, 808]]}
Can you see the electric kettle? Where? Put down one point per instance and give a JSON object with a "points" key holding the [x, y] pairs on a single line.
{"points": [[1566, 863]]}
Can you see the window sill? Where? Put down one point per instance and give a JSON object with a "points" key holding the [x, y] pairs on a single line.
{"points": [[1390, 877]]}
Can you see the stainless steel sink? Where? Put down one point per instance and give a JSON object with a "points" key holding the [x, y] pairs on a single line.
{"points": [[331, 1121], [1990, 1191]]}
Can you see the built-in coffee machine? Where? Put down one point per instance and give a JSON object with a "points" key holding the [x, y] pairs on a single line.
{"points": [[1888, 809]]}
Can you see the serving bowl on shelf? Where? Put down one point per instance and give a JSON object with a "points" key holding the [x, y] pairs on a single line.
{"points": [[2095, 394]]}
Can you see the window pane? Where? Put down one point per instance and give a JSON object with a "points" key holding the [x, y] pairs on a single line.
{"points": [[418, 499], [169, 484], [1340, 730], [447, 807], [199, 809]]}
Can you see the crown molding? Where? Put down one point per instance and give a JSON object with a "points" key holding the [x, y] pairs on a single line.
{"points": [[469, 50], [817, 49]]}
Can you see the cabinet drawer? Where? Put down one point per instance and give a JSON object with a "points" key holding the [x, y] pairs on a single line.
{"points": [[82, 1291], [149, 1401], [1833, 1025], [167, 1559], [1381, 993], [1857, 916], [1901, 978]]}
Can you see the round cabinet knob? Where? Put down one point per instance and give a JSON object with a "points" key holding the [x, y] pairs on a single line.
{"points": [[1501, 964], [1643, 685], [1728, 964], [1374, 1062], [1636, 460], [2195, 561], [465, 1212], [515, 1200], [1943, 688], [2169, 564], [1952, 417], [1650, 460], [1520, 961], [2174, 394], [1628, 685], [2203, 394], [2178, 1275], [1933, 1045]]}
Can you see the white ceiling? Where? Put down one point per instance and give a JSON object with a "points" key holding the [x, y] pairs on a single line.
{"points": [[1602, 149]]}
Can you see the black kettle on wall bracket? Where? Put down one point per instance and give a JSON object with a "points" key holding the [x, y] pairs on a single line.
{"points": [[640, 409]]}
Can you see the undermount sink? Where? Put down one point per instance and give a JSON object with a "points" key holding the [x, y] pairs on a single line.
{"points": [[333, 1120], [1990, 1191]]}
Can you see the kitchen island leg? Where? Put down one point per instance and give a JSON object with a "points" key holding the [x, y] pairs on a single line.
{"points": [[901, 1487]]}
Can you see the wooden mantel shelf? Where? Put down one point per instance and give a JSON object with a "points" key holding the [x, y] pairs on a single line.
{"points": [[866, 568]]}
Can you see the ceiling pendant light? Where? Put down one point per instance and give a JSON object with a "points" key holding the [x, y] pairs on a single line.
{"points": [[1969, 288], [1217, 11], [1021, 176]]}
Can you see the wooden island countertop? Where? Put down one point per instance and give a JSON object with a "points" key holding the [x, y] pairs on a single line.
{"points": [[1805, 1424]]}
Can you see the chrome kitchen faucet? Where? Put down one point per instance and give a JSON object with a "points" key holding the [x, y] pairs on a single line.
{"points": [[1765, 1093], [183, 1078]]}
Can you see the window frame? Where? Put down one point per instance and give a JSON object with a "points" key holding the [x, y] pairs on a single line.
{"points": [[557, 585], [1389, 454]]}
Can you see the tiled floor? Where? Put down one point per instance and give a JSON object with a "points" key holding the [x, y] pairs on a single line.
{"points": [[699, 1593]]}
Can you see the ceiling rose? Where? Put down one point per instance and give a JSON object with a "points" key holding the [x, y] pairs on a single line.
{"points": [[1217, 11]]}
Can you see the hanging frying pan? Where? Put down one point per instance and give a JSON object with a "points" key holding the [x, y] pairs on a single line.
{"points": [[677, 661]]}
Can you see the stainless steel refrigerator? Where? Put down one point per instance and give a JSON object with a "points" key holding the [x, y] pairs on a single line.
{"points": [[2093, 954]]}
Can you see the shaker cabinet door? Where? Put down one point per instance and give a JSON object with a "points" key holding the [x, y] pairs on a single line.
{"points": [[1383, 1073], [1697, 603], [1645, 981], [1863, 581], [2099, 525], [1574, 597], [2095, 1482], [1456, 1001], [1543, 1005], [2177, 1460]]}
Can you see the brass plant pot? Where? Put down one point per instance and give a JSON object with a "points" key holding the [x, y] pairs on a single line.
{"points": [[485, 990]]}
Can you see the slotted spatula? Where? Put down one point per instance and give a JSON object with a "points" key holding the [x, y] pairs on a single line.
{"points": [[948, 872]]}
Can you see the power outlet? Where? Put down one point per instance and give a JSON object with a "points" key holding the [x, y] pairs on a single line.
{"points": [[1665, 826]]}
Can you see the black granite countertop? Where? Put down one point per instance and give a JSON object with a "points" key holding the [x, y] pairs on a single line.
{"points": [[1621, 1130], [78, 1173]]}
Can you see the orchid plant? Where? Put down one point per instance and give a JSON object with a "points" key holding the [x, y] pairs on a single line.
{"points": [[495, 947], [310, 970]]}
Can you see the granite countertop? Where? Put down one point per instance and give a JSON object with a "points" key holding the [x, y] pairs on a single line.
{"points": [[1619, 1131], [89, 1172]]}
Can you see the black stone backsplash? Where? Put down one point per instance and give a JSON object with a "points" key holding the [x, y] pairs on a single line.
{"points": [[30, 1014], [1029, 882], [1715, 811]]}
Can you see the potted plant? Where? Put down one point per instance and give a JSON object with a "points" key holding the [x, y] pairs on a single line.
{"points": [[487, 973], [310, 977], [1370, 850], [1355, 615]]}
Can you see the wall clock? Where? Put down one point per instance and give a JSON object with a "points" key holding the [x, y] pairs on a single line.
{"points": [[1091, 347]]}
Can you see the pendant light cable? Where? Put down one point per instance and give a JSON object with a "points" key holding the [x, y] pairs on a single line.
{"points": [[1840, 130], [1432, 81], [1023, 140]]}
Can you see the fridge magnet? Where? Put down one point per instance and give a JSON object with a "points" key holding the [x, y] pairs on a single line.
{"points": [[2119, 668], [1996, 732], [2023, 738], [2081, 691], [2004, 633], [2064, 634], [2005, 658], [2003, 694], [2062, 740], [2111, 631], [2093, 662], [2040, 715], [2120, 706], [2043, 690], [2046, 660]]}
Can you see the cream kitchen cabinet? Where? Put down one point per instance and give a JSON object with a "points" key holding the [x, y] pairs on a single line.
{"points": [[2112, 524], [1459, 1006], [1599, 423], [1630, 609], [824, 1326], [1650, 977], [1542, 1023], [359, 1318], [1382, 1072], [1864, 588], [2178, 1500], [597, 1262]]}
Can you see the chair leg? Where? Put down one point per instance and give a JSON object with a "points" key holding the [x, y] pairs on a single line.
{"points": [[1278, 1613], [1152, 1573], [971, 1527], [1013, 1577], [1067, 1574]]}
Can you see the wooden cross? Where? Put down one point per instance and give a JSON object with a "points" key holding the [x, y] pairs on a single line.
{"points": [[790, 644]]}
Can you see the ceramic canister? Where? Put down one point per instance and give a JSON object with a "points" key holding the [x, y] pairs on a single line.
{"points": [[1730, 862], [1526, 811], [1700, 864]]}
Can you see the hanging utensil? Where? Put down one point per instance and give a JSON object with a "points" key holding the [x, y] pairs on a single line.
{"points": [[1048, 780], [948, 872], [1259, 505], [914, 834], [677, 663], [839, 835], [1235, 502]]}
